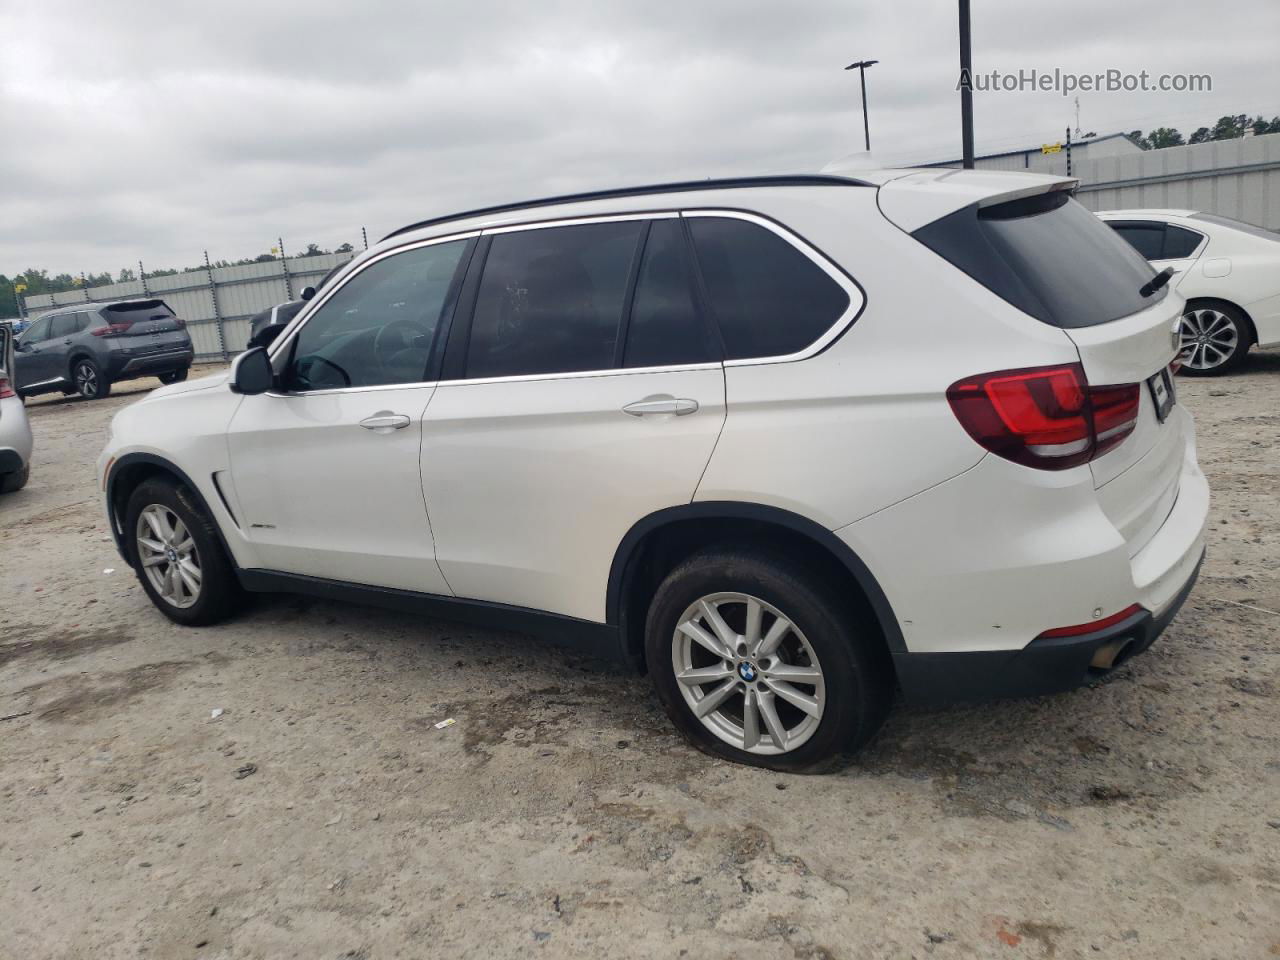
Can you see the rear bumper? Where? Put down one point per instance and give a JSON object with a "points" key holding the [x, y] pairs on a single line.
{"points": [[155, 363], [1044, 666]]}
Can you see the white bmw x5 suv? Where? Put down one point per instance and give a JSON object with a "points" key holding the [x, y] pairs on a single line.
{"points": [[786, 443]]}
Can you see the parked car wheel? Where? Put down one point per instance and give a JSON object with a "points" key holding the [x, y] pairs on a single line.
{"points": [[89, 381], [174, 376], [762, 662], [13, 482], [180, 561], [1215, 338]]}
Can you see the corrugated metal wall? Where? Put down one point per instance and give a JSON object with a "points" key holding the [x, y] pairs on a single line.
{"points": [[240, 292], [1232, 178]]}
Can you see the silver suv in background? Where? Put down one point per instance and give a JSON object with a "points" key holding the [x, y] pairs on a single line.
{"points": [[86, 348]]}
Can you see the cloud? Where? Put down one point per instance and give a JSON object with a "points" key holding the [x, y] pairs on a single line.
{"points": [[157, 130]]}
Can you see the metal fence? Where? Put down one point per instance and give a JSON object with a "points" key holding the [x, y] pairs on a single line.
{"points": [[217, 303], [1232, 178]]}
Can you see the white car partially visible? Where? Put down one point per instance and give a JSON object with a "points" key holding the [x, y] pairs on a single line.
{"points": [[1228, 271], [15, 431]]}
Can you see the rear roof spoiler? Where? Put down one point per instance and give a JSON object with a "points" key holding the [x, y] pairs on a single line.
{"points": [[920, 197]]}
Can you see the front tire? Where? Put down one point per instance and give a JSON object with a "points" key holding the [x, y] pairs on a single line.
{"points": [[13, 482], [1215, 338], [762, 662], [89, 380], [178, 557]]}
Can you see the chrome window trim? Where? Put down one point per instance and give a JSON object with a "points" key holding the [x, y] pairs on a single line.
{"points": [[857, 300]]}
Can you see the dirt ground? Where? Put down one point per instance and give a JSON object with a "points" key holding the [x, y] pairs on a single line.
{"points": [[323, 815]]}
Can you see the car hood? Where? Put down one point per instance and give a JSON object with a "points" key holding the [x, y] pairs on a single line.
{"points": [[188, 386]]}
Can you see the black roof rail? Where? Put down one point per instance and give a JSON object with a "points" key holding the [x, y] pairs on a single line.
{"points": [[684, 186]]}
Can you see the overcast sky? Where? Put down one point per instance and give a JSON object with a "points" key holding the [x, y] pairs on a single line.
{"points": [[157, 130]]}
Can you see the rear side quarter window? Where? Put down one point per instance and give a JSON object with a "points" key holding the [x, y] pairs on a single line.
{"points": [[768, 297]]}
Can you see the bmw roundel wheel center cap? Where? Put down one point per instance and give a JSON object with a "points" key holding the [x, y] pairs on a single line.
{"points": [[747, 671]]}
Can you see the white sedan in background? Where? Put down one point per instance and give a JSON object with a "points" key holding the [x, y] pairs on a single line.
{"points": [[1228, 270]]}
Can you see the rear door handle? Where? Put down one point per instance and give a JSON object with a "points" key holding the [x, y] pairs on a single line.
{"points": [[664, 404], [385, 422]]}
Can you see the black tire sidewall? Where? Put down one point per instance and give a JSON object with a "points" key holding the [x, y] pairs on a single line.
{"points": [[219, 587], [1243, 340], [173, 376], [857, 685]]}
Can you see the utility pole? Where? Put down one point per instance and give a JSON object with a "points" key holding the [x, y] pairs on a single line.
{"points": [[142, 275], [284, 265], [966, 91], [365, 234], [1068, 151], [862, 75]]}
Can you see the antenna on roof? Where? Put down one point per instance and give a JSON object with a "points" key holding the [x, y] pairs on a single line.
{"points": [[1077, 118]]}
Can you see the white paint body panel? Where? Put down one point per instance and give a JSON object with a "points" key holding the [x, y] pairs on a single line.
{"points": [[533, 483], [323, 496]]}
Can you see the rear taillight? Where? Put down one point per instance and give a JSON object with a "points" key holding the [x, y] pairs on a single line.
{"points": [[180, 322], [1045, 417], [112, 329], [6, 389]]}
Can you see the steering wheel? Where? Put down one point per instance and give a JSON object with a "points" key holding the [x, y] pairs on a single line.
{"points": [[386, 344]]}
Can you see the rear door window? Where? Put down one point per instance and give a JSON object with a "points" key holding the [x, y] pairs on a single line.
{"points": [[768, 298], [62, 326], [665, 327], [1145, 236], [1048, 256], [551, 299]]}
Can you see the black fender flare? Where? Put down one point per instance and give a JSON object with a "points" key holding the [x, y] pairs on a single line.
{"points": [[729, 509], [168, 466]]}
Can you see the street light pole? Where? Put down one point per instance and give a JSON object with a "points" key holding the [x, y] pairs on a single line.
{"points": [[862, 76], [966, 91]]}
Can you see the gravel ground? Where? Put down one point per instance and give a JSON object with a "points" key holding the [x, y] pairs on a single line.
{"points": [[323, 815]]}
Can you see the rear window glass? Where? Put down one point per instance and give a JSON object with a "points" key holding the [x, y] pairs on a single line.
{"points": [[1240, 225], [769, 299], [134, 309], [1048, 256]]}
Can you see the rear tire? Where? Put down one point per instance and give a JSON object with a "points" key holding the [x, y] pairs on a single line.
{"points": [[1215, 338], [174, 376], [89, 380], [13, 482], [178, 556], [806, 705]]}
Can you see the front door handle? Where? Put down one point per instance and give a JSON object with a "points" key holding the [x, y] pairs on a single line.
{"points": [[384, 421], [661, 404]]}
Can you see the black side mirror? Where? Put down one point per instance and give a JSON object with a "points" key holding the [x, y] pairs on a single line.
{"points": [[251, 372], [308, 293]]}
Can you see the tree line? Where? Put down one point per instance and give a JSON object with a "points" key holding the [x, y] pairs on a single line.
{"points": [[37, 280], [1227, 128]]}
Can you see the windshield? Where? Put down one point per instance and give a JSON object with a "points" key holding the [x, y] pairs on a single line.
{"points": [[1048, 256]]}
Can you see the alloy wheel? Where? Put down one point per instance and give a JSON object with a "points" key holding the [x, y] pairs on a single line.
{"points": [[86, 380], [1209, 338], [748, 674], [168, 555]]}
